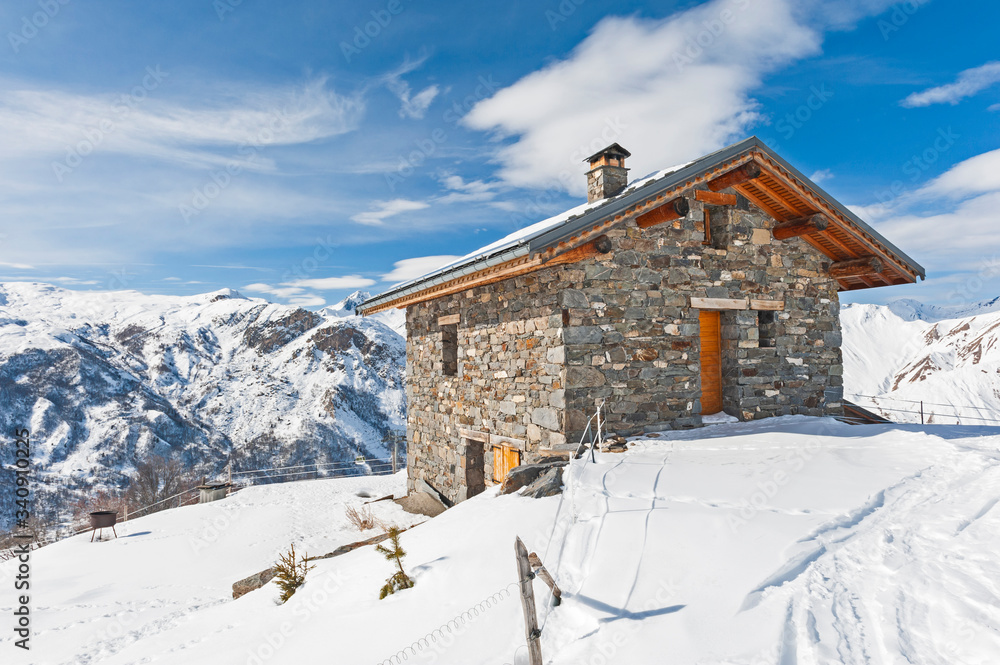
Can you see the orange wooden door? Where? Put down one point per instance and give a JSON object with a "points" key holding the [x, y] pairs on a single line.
{"points": [[504, 459], [711, 362]]}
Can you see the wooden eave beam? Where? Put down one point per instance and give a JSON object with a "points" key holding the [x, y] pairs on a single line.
{"points": [[668, 212], [715, 198], [800, 227], [866, 265], [839, 220], [738, 176], [597, 246]]}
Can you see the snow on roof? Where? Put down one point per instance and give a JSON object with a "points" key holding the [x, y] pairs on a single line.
{"points": [[538, 228]]}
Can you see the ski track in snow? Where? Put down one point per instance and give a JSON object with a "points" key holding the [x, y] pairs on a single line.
{"points": [[880, 548]]}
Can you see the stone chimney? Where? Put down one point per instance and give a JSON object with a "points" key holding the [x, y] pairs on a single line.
{"points": [[607, 175]]}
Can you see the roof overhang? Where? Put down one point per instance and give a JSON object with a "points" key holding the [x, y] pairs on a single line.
{"points": [[780, 190]]}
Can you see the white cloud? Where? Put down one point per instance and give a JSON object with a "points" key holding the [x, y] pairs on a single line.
{"points": [[821, 175], [411, 106], [52, 122], [332, 283], [669, 90], [19, 266], [310, 300], [300, 292], [72, 281], [279, 291], [463, 192], [968, 83], [385, 209], [951, 223], [994, 107], [975, 175], [419, 266]]}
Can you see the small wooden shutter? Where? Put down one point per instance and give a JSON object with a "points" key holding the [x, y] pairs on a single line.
{"points": [[711, 362], [504, 459]]}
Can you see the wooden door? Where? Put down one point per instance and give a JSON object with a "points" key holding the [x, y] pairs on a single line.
{"points": [[711, 362], [504, 459]]}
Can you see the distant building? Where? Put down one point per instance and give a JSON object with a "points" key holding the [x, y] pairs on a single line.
{"points": [[705, 288]]}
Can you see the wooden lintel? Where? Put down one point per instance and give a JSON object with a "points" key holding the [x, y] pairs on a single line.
{"points": [[800, 227], [738, 176], [506, 441], [473, 435], [715, 198], [867, 265], [767, 305], [669, 211], [718, 303], [449, 320]]}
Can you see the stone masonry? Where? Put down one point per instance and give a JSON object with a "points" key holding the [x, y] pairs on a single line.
{"points": [[538, 352]]}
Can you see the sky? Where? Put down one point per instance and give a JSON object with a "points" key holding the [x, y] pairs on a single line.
{"points": [[301, 150]]}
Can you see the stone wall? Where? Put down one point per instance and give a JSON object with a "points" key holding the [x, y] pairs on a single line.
{"points": [[509, 379], [632, 338], [539, 351]]}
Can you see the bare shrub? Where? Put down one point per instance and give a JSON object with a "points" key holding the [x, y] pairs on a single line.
{"points": [[157, 479], [363, 519]]}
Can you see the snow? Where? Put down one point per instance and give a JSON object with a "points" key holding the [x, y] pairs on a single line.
{"points": [[106, 378], [719, 418], [789, 540], [538, 228], [899, 355]]}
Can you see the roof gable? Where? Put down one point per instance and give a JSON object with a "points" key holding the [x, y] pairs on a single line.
{"points": [[780, 190]]}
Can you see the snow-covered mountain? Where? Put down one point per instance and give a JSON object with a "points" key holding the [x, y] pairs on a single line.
{"points": [[899, 355], [103, 380], [394, 318]]}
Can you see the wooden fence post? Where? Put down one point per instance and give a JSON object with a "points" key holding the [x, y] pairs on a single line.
{"points": [[531, 631]]}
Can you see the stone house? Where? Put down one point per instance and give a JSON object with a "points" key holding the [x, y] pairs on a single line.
{"points": [[709, 287]]}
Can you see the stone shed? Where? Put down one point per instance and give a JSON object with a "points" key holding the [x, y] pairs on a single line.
{"points": [[707, 288]]}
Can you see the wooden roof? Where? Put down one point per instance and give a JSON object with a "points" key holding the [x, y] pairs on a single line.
{"points": [[779, 189]]}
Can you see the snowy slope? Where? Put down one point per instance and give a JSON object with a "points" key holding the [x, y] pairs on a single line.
{"points": [[103, 380], [792, 540], [898, 355]]}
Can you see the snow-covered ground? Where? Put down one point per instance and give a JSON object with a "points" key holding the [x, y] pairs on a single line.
{"points": [[791, 540]]}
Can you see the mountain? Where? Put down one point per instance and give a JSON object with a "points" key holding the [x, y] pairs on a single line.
{"points": [[899, 355], [106, 380], [393, 318]]}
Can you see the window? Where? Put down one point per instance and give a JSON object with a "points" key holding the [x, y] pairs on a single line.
{"points": [[449, 350], [767, 325]]}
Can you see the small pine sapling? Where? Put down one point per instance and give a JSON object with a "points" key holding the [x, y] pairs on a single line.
{"points": [[291, 573], [394, 553]]}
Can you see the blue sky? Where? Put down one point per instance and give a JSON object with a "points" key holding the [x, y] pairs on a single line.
{"points": [[303, 149]]}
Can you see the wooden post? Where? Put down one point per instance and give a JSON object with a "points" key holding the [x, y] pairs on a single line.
{"points": [[921, 412], [524, 576], [543, 574], [229, 473], [395, 452]]}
